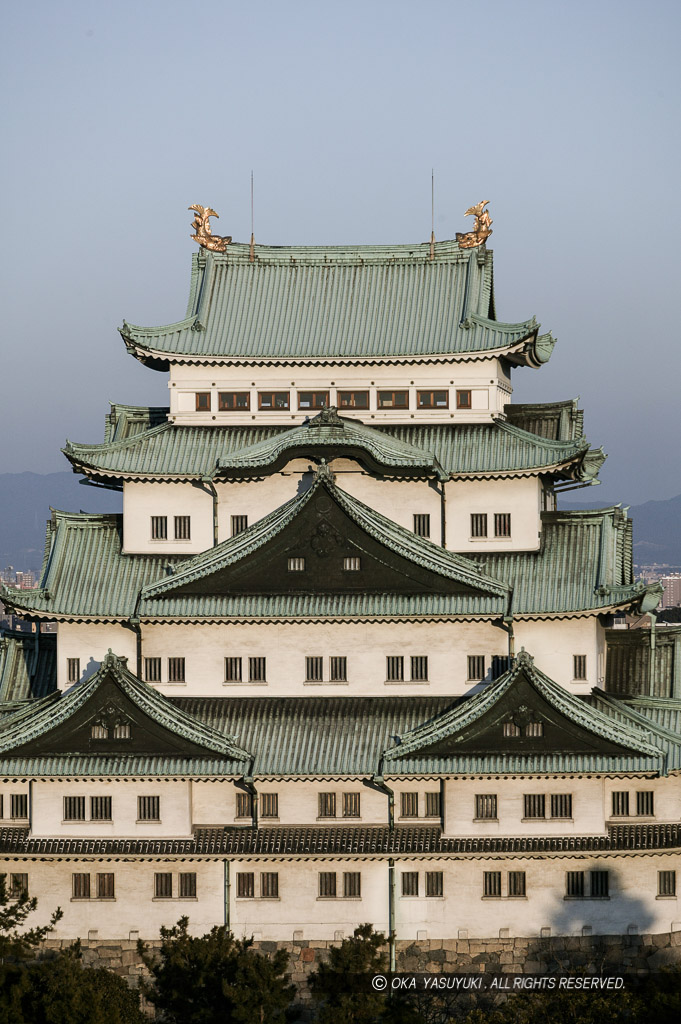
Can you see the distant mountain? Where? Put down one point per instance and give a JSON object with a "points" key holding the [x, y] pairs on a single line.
{"points": [[657, 529]]}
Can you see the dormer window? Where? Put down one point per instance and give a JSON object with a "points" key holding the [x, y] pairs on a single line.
{"points": [[534, 729], [351, 564]]}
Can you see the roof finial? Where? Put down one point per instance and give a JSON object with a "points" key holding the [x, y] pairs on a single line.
{"points": [[481, 230], [204, 235]]}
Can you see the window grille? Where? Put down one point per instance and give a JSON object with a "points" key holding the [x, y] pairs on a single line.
{"points": [[410, 883], [122, 731], [645, 802], [534, 729], [353, 399], [574, 884], [351, 805], [352, 884], [203, 402], [296, 565], [486, 805], [148, 808], [511, 729], [244, 805], [502, 524], [269, 805], [394, 668], [491, 884], [105, 887], [81, 887], [18, 805], [234, 401], [327, 884], [18, 885], [599, 883], [422, 525], [561, 805], [257, 670], [419, 668], [313, 399], [339, 670], [100, 808], [432, 399], [476, 666], [270, 401], [74, 808], [479, 524], [239, 524], [183, 527], [245, 885], [620, 804], [409, 805], [233, 670], [327, 805], [176, 670], [352, 564], [99, 732], [434, 883], [314, 670], [432, 805], [163, 885], [72, 670], [516, 883], [535, 805], [463, 398], [666, 883], [500, 664], [393, 399], [159, 527], [188, 885], [269, 885], [579, 666], [152, 670]]}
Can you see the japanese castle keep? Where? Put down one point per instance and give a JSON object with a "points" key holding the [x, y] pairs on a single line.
{"points": [[342, 658]]}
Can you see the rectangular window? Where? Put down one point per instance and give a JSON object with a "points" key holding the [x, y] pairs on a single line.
{"points": [[244, 805], [148, 808], [239, 525], [516, 883], [203, 401], [410, 883], [152, 670], [502, 524], [352, 884], [419, 668], [81, 887], [561, 805], [313, 399], [269, 805], [105, 887], [433, 805], [486, 805], [339, 670], [271, 401], [535, 805], [645, 803], [499, 666], [18, 805], [327, 805], [394, 668], [463, 398], [72, 670], [257, 670], [534, 729], [432, 399], [666, 883], [393, 399], [18, 885], [188, 885], [353, 399], [409, 805], [296, 565], [234, 401], [269, 885], [314, 670], [327, 884], [511, 729], [122, 731], [476, 666], [574, 884], [620, 804], [352, 564], [183, 527], [351, 805], [100, 808], [176, 670], [422, 524], [245, 885], [163, 885], [491, 883], [479, 524], [74, 808], [99, 732], [599, 884], [233, 670], [579, 666], [159, 527], [434, 883]]}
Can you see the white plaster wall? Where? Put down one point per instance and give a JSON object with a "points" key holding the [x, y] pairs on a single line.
{"points": [[142, 500], [8, 788], [215, 803], [552, 644], [521, 496], [175, 809], [90, 642]]}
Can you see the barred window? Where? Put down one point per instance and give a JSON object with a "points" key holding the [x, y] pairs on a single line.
{"points": [[81, 886], [535, 805], [234, 401], [476, 666], [463, 398], [257, 670], [239, 525], [579, 666], [599, 883], [433, 805], [159, 527], [148, 808], [269, 805], [314, 670], [645, 802], [105, 887], [245, 885], [327, 884], [419, 668], [422, 525], [352, 564], [339, 670], [18, 805], [244, 805], [296, 565], [233, 670], [561, 805], [72, 670], [327, 805], [511, 729], [99, 732], [163, 885], [491, 883], [270, 401], [269, 885], [176, 670], [479, 524], [18, 885], [500, 664], [409, 805], [434, 883], [410, 883], [486, 805], [351, 805], [188, 885], [122, 731], [502, 524], [574, 884], [202, 401], [432, 399], [100, 808], [183, 527], [394, 668], [352, 884], [152, 670], [620, 804], [74, 808], [516, 883], [666, 883], [534, 729]]}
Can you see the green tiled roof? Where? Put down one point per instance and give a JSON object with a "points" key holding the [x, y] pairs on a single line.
{"points": [[27, 665], [349, 303], [557, 421]]}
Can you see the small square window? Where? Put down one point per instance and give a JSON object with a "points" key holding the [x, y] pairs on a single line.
{"points": [[352, 884], [476, 666], [502, 524], [579, 666], [574, 884], [122, 731], [245, 885], [148, 808], [479, 524], [19, 805], [599, 884], [72, 670], [433, 805], [163, 885], [534, 729], [561, 805], [409, 805], [535, 805], [233, 670], [188, 885], [422, 524], [269, 805], [81, 886], [203, 401], [620, 804], [339, 670], [434, 883], [395, 668], [99, 732], [645, 803], [516, 883], [234, 401], [314, 670], [500, 664], [486, 806], [244, 805], [410, 883], [666, 883], [352, 564], [511, 729], [419, 668], [327, 805], [239, 525], [327, 884], [491, 884], [463, 398], [269, 885], [152, 670], [176, 670], [159, 527], [257, 670], [100, 808], [351, 805], [183, 527], [296, 565], [18, 886]]}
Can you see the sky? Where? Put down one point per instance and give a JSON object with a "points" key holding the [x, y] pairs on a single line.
{"points": [[565, 115]]}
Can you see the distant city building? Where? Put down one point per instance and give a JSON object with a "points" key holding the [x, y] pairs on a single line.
{"points": [[671, 597]]}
